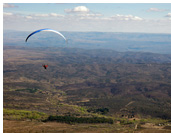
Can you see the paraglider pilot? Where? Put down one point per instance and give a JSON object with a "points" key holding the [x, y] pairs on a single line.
{"points": [[45, 66]]}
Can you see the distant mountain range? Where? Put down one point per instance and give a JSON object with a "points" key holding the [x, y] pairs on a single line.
{"points": [[121, 42]]}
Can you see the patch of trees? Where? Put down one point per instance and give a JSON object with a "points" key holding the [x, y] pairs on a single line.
{"points": [[30, 90], [102, 111], [71, 119]]}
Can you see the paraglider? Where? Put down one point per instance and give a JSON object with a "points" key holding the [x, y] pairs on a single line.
{"points": [[45, 66], [46, 29]]}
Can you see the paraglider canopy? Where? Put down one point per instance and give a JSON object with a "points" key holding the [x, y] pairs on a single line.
{"points": [[46, 29]]}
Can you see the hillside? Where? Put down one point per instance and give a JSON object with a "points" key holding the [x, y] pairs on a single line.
{"points": [[127, 84]]}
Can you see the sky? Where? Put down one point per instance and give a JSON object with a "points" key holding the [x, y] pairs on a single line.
{"points": [[102, 17]]}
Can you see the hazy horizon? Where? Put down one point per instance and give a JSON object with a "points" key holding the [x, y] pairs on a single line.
{"points": [[118, 41]]}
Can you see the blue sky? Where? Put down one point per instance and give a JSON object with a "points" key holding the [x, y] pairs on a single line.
{"points": [[103, 17]]}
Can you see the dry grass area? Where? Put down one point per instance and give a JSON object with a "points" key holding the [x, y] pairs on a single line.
{"points": [[152, 125], [54, 127], [10, 126], [153, 131]]}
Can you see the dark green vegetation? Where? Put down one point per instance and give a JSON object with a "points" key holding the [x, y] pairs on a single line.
{"points": [[103, 111], [87, 83], [71, 119]]}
